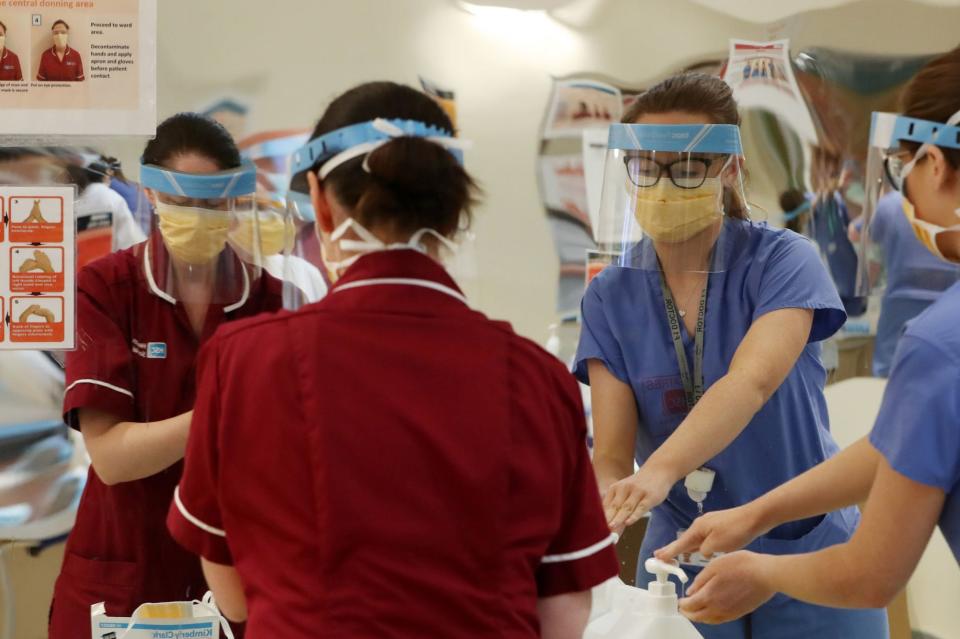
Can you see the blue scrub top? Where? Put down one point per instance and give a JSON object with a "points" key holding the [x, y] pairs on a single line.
{"points": [[828, 228], [915, 277], [918, 428], [625, 327]]}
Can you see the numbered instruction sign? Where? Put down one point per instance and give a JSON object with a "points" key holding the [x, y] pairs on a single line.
{"points": [[37, 268]]}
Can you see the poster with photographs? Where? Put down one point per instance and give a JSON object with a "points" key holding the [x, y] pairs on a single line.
{"points": [[761, 76], [578, 105], [78, 67]]}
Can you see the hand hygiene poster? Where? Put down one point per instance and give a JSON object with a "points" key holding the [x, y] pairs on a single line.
{"points": [[78, 67], [37, 267]]}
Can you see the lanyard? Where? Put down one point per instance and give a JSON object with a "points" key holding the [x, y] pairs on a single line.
{"points": [[693, 387]]}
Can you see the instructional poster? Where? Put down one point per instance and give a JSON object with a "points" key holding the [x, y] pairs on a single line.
{"points": [[761, 76], [37, 268], [78, 67], [563, 185], [577, 105]]}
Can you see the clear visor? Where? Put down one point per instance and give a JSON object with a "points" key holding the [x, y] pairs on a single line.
{"points": [[885, 231], [668, 209], [209, 236]]}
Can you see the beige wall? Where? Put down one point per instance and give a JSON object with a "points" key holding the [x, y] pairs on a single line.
{"points": [[292, 56]]}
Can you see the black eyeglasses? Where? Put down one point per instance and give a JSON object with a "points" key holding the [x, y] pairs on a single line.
{"points": [[687, 173], [893, 164]]}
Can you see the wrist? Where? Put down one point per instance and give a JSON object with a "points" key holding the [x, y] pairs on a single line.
{"points": [[766, 568], [663, 466], [762, 515]]}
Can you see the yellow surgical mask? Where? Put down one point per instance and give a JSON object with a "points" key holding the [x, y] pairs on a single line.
{"points": [[667, 213], [195, 236], [274, 236], [60, 40], [925, 231], [3, 42]]}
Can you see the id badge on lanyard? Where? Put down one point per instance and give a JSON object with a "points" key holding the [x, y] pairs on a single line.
{"points": [[693, 385]]}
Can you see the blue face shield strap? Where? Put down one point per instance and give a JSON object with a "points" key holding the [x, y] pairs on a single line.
{"points": [[334, 149], [277, 148], [888, 130], [237, 182], [677, 138]]}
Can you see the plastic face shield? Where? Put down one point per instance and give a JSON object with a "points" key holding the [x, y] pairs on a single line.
{"points": [[336, 148], [271, 153], [207, 241], [888, 162], [353, 143], [669, 196]]}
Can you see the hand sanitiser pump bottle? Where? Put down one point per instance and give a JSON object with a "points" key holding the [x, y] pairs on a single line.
{"points": [[623, 612]]}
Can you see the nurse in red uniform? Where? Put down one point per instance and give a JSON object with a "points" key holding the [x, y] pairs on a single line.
{"points": [[9, 62], [142, 316], [60, 63], [387, 461]]}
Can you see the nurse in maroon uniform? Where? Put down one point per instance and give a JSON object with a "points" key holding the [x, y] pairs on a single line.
{"points": [[387, 461], [60, 63], [9, 62], [142, 316]]}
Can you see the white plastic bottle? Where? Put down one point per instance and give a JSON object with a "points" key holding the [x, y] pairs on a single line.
{"points": [[623, 612]]}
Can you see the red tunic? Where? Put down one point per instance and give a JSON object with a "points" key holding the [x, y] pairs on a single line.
{"points": [[135, 360], [388, 462], [53, 69]]}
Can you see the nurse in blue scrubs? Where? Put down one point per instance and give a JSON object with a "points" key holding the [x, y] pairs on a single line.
{"points": [[910, 464], [914, 277], [701, 343]]}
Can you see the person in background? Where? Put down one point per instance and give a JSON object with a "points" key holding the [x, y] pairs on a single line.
{"points": [[91, 175], [32, 165], [915, 279], [796, 210], [142, 315], [60, 63], [425, 472], [908, 469], [131, 192], [701, 346], [9, 62]]}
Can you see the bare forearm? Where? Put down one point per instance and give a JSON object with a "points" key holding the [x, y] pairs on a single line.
{"points": [[841, 481], [564, 616], [870, 569], [610, 469], [128, 451], [227, 589], [835, 577], [717, 419]]}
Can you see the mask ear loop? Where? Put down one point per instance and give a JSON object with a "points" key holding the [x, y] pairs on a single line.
{"points": [[417, 239]]}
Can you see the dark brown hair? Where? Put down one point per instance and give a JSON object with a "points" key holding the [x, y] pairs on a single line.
{"points": [[4, 28], [412, 183], [192, 133], [63, 22], [694, 93], [934, 94]]}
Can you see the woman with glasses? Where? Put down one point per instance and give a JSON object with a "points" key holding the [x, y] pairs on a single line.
{"points": [[908, 469], [701, 344]]}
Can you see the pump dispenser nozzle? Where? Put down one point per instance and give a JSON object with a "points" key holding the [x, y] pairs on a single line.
{"points": [[663, 592]]}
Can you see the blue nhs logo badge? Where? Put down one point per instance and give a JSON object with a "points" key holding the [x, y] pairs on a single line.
{"points": [[156, 350]]}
